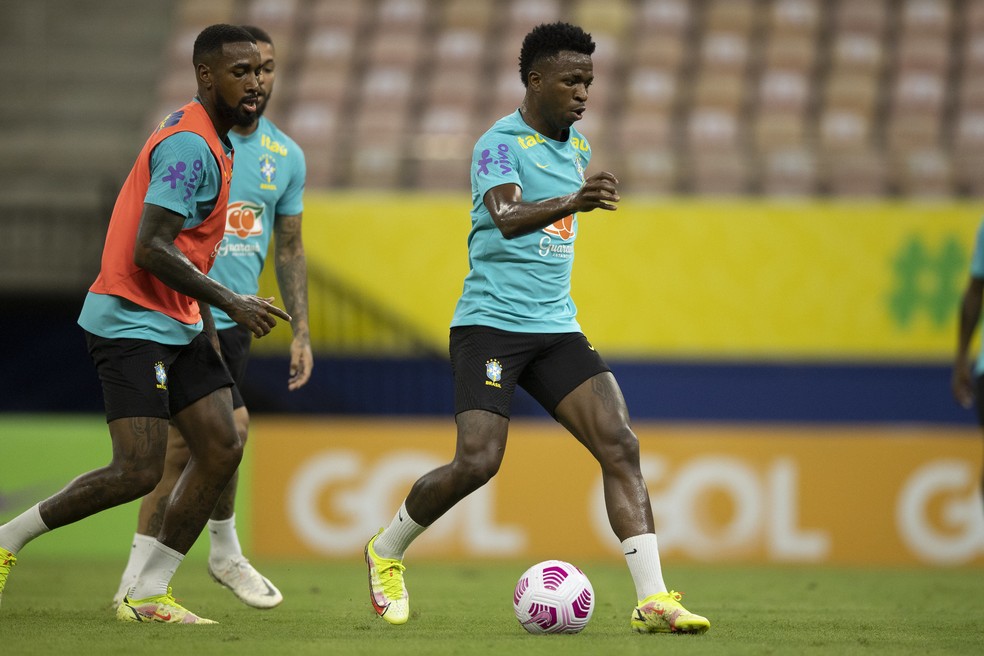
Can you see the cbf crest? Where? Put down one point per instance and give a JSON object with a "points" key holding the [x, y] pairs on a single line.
{"points": [[493, 371], [268, 168], [160, 373]]}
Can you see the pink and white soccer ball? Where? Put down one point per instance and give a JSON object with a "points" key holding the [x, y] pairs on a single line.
{"points": [[553, 597]]}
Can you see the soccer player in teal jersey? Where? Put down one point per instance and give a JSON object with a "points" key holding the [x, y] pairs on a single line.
{"points": [[150, 333], [968, 373], [266, 198], [515, 324]]}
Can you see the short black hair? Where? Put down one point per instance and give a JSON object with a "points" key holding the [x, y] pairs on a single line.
{"points": [[258, 33], [547, 39], [212, 38]]}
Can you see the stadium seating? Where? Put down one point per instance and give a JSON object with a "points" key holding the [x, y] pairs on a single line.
{"points": [[721, 97]]}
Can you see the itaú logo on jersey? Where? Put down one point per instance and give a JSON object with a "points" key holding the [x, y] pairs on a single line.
{"points": [[244, 219]]}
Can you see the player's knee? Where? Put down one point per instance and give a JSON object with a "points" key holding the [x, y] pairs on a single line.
{"points": [[231, 453], [135, 482], [241, 418], [143, 485], [235, 450], [243, 433], [473, 473], [223, 453], [178, 456], [620, 448]]}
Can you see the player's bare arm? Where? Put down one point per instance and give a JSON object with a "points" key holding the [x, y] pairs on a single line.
{"points": [[962, 382], [516, 218], [156, 252], [291, 268]]}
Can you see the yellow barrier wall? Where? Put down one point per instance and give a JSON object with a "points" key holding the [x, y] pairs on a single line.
{"points": [[851, 495], [689, 278]]}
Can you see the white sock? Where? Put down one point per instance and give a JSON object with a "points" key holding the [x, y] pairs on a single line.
{"points": [[642, 555], [398, 535], [139, 553], [223, 540], [22, 529], [162, 562]]}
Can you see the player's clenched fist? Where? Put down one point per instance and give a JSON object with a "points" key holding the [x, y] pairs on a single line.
{"points": [[600, 191]]}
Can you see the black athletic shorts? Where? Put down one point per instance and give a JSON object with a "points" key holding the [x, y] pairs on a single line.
{"points": [[141, 378], [234, 343], [488, 364]]}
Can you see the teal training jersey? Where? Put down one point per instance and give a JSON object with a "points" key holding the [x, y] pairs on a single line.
{"points": [[268, 182], [977, 271], [522, 284], [115, 317]]}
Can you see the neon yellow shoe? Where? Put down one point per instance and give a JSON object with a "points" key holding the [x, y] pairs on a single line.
{"points": [[7, 560], [387, 591], [162, 608], [663, 613]]}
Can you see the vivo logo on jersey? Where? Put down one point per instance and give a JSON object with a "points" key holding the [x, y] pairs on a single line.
{"points": [[502, 159], [244, 219]]}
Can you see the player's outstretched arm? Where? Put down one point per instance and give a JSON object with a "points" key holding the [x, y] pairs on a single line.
{"points": [[156, 252], [516, 218]]}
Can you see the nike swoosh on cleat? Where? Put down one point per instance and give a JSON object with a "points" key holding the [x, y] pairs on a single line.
{"points": [[270, 591], [380, 610], [166, 618], [629, 553]]}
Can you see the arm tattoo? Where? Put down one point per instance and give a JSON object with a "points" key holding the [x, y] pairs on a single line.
{"points": [[291, 269]]}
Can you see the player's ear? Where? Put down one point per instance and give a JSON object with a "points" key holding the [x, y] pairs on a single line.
{"points": [[533, 80], [204, 74]]}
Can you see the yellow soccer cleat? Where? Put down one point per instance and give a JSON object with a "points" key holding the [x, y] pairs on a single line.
{"points": [[663, 613], [162, 608], [7, 560], [387, 591]]}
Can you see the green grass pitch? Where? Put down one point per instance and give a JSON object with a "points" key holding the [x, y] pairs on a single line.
{"points": [[56, 605]]}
